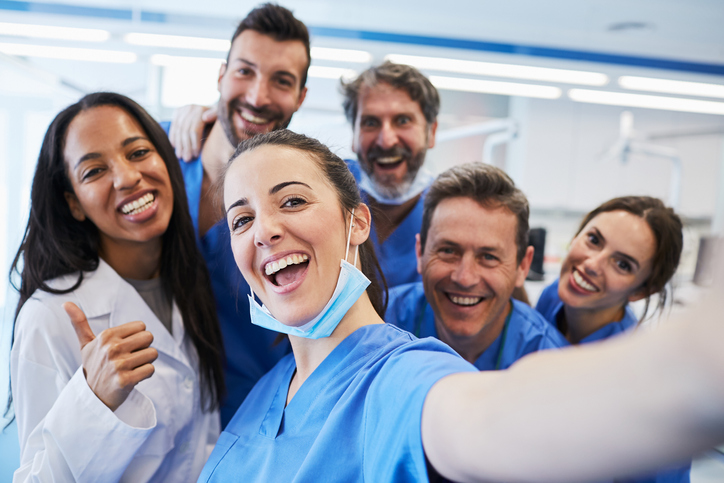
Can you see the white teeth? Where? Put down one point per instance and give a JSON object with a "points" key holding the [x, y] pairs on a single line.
{"points": [[389, 160], [282, 263], [138, 206], [465, 300], [252, 118], [582, 282]]}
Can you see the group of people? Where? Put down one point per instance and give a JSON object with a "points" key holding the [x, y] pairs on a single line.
{"points": [[251, 307]]}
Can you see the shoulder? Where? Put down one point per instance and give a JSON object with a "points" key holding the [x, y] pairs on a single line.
{"points": [[354, 168], [404, 302], [548, 301], [535, 326]]}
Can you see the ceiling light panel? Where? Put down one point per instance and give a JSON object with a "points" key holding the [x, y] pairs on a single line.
{"points": [[177, 42], [341, 55], [669, 86], [68, 53], [322, 72], [646, 101], [502, 70], [496, 87], [52, 32]]}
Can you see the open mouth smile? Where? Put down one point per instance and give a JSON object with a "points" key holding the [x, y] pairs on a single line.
{"points": [[464, 301], [583, 283], [138, 206], [286, 270], [249, 117]]}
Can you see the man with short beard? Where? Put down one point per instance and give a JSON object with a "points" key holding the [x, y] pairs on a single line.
{"points": [[393, 109], [261, 85]]}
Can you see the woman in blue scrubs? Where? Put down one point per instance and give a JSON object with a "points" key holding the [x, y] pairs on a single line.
{"points": [[361, 400], [625, 250]]}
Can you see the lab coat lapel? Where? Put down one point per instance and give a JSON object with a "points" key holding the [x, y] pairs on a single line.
{"points": [[110, 294]]}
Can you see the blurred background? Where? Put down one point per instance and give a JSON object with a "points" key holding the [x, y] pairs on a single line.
{"points": [[579, 101]]}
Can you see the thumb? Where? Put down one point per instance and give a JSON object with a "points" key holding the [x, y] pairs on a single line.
{"points": [[80, 323], [209, 115]]}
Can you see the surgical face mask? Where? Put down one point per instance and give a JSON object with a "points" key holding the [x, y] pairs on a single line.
{"points": [[422, 181], [350, 286]]}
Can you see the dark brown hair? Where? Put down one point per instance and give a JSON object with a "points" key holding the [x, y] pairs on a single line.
{"points": [[667, 229], [278, 23], [57, 244], [399, 76], [340, 178], [485, 184]]}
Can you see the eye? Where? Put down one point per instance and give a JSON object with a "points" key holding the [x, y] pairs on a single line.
{"points": [[624, 265], [240, 222], [593, 239], [369, 123], [283, 81], [403, 120], [489, 257], [139, 153], [243, 71], [91, 173], [293, 202]]}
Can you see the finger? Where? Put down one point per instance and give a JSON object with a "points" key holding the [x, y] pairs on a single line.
{"points": [[131, 378], [124, 330], [136, 359], [80, 324], [210, 115], [134, 342]]}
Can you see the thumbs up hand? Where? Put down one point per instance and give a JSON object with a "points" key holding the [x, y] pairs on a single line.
{"points": [[116, 360]]}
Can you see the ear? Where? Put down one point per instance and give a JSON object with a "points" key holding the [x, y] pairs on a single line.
{"points": [[524, 267], [362, 225], [74, 205], [418, 252], [431, 135], [222, 71], [302, 96]]}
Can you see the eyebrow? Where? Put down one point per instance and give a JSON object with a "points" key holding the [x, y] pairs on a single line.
{"points": [[486, 249], [621, 254], [125, 143], [279, 72], [272, 191]]}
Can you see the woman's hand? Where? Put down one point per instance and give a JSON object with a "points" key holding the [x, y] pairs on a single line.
{"points": [[115, 361], [187, 128]]}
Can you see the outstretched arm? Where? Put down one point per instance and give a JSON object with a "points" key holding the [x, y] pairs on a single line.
{"points": [[622, 407]]}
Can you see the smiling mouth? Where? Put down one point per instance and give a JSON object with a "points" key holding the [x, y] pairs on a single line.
{"points": [[138, 206], [247, 116], [389, 162], [286, 270], [581, 282], [464, 301]]}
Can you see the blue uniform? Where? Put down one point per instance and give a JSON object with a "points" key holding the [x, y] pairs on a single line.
{"points": [[397, 253], [250, 350], [525, 330], [356, 418], [550, 305]]}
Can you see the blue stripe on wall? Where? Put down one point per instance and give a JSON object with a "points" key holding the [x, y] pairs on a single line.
{"points": [[464, 44]]}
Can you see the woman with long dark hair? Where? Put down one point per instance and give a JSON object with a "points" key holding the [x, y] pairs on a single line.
{"points": [[116, 365], [361, 400]]}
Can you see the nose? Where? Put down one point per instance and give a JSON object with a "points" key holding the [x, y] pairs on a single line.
{"points": [[126, 175], [387, 137], [592, 265], [258, 93], [268, 232], [465, 273]]}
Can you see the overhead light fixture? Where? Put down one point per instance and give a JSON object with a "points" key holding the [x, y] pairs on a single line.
{"points": [[341, 55], [53, 32], [496, 87], [502, 70], [646, 101], [323, 72], [671, 86], [177, 41], [68, 53], [178, 60]]}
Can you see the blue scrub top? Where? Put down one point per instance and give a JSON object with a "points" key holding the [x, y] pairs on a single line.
{"points": [[525, 332], [397, 253], [356, 418], [550, 305], [250, 350]]}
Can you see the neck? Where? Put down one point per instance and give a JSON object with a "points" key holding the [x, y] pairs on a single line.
{"points": [[471, 348], [388, 217], [133, 260], [580, 323], [216, 152], [309, 353]]}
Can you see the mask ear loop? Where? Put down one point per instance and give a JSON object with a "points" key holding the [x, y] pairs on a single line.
{"points": [[349, 238]]}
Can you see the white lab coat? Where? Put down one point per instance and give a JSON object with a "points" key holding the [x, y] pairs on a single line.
{"points": [[66, 433]]}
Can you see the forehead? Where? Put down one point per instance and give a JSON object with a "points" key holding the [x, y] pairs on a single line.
{"points": [[269, 54], [254, 172], [383, 99], [464, 221], [99, 127], [625, 232]]}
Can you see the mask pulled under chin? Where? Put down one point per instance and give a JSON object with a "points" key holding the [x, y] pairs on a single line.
{"points": [[423, 179], [350, 286]]}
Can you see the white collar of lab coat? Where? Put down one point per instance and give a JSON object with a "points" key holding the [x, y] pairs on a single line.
{"points": [[104, 292]]}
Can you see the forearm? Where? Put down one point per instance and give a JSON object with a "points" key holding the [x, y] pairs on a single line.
{"points": [[589, 413]]}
